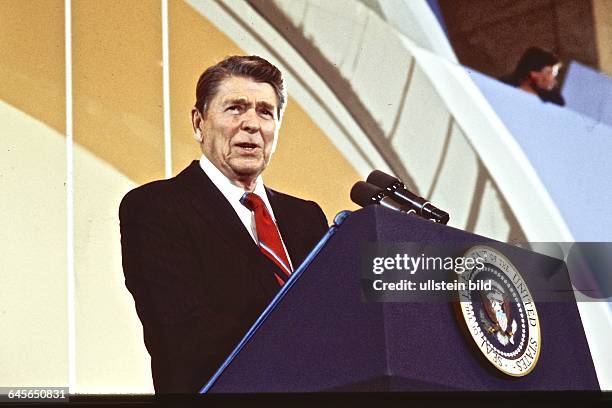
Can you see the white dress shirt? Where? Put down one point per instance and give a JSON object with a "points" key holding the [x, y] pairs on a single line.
{"points": [[233, 194]]}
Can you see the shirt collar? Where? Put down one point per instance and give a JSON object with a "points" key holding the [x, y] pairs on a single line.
{"points": [[232, 192]]}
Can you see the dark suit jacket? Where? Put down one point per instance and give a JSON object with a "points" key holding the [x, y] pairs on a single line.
{"points": [[198, 279]]}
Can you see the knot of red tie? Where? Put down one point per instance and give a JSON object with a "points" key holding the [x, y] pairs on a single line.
{"points": [[252, 201]]}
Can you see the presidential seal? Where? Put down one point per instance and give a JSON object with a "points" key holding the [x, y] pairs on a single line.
{"points": [[499, 312]]}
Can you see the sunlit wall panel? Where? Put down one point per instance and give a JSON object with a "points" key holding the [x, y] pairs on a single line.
{"points": [[33, 309], [119, 143]]}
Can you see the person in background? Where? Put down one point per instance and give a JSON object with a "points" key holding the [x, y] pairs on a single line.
{"points": [[536, 73]]}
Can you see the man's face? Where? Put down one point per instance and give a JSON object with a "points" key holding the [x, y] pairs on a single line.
{"points": [[546, 78], [240, 127]]}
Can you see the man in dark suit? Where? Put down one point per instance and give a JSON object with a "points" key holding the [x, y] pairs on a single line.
{"points": [[206, 251]]}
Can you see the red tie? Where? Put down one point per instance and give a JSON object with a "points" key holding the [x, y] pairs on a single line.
{"points": [[270, 243]]}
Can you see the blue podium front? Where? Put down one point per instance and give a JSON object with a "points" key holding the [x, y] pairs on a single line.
{"points": [[324, 335]]}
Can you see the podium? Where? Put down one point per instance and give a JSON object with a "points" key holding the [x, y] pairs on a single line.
{"points": [[321, 335]]}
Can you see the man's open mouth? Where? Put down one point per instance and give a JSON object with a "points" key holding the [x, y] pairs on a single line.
{"points": [[247, 146]]}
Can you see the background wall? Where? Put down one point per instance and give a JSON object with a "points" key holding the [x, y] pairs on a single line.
{"points": [[602, 12], [33, 261]]}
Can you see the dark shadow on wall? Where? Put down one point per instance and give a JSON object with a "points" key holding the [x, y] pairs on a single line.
{"points": [[491, 35]]}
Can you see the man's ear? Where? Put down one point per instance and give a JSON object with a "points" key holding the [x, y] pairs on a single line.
{"points": [[196, 124]]}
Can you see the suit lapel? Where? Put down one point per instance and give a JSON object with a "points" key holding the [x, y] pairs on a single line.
{"points": [[212, 206]]}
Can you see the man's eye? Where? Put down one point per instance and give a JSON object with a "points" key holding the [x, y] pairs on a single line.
{"points": [[265, 112], [234, 108]]}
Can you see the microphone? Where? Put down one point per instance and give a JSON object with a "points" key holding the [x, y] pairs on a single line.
{"points": [[396, 189], [366, 194]]}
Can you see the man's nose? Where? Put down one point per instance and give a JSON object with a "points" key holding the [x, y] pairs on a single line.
{"points": [[250, 121]]}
